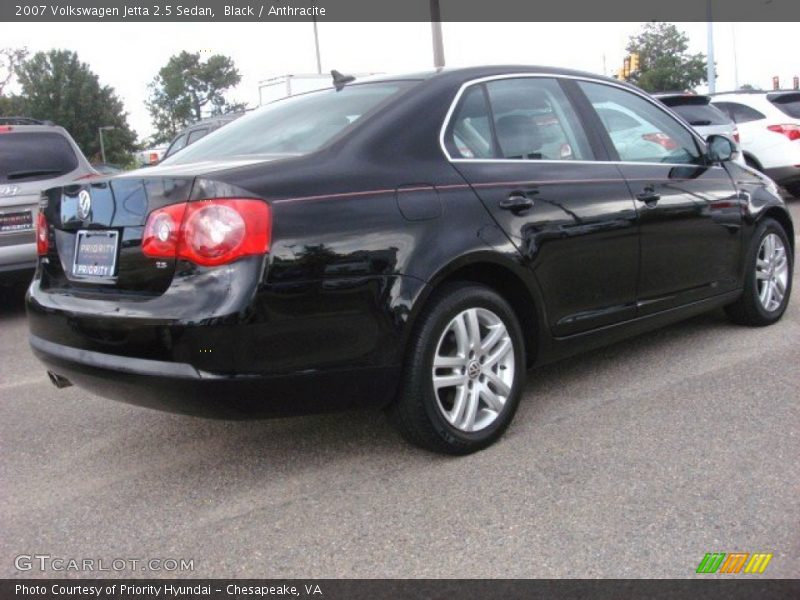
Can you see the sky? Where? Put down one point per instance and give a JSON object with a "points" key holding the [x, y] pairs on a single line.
{"points": [[127, 56]]}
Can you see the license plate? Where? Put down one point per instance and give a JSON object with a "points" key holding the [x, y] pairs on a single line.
{"points": [[16, 221], [95, 254]]}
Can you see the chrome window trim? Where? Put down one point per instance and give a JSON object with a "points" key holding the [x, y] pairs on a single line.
{"points": [[556, 76]]}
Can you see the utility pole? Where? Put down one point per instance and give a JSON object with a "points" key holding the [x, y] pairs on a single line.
{"points": [[711, 74], [316, 45], [436, 30], [102, 145]]}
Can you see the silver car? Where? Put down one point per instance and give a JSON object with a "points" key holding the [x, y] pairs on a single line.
{"points": [[34, 156], [705, 118]]}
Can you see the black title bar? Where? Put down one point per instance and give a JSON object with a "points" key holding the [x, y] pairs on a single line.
{"points": [[734, 588], [398, 10]]}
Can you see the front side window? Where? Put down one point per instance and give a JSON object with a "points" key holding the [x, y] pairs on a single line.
{"points": [[293, 126], [649, 135], [526, 118]]}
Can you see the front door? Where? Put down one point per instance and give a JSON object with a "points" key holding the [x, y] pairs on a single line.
{"points": [[689, 214]]}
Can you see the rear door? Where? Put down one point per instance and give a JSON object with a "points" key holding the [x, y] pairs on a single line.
{"points": [[689, 212], [520, 144]]}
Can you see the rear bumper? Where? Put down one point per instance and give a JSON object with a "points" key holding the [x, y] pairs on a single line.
{"points": [[17, 257], [182, 388]]}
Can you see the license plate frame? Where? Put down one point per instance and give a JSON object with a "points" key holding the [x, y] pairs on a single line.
{"points": [[107, 256], [25, 216]]}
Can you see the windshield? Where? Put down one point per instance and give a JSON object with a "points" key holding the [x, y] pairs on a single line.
{"points": [[35, 155], [294, 125], [701, 114]]}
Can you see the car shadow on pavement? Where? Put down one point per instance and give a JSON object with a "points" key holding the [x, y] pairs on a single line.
{"points": [[12, 299], [312, 440]]}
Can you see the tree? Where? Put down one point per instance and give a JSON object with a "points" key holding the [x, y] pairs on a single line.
{"points": [[10, 58], [186, 88], [58, 87], [665, 64]]}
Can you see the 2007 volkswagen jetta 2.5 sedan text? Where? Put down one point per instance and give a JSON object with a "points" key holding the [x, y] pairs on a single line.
{"points": [[415, 243]]}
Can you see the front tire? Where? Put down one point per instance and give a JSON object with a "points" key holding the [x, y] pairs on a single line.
{"points": [[768, 279], [464, 372]]}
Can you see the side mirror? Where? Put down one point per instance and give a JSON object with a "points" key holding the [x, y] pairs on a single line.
{"points": [[720, 148]]}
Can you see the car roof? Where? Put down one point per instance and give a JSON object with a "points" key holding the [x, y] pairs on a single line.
{"points": [[35, 128], [477, 72]]}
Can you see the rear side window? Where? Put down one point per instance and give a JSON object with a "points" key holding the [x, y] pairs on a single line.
{"points": [[520, 119], [294, 125], [180, 142], [196, 135], [788, 104], [32, 156], [470, 131], [657, 136], [534, 120], [739, 112]]}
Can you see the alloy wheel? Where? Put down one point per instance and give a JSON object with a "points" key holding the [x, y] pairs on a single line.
{"points": [[772, 272], [473, 369]]}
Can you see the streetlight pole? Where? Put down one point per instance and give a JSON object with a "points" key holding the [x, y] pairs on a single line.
{"points": [[436, 30], [102, 145]]}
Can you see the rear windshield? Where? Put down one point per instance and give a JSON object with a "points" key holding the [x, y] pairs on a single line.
{"points": [[700, 115], [34, 155], [788, 104], [295, 125]]}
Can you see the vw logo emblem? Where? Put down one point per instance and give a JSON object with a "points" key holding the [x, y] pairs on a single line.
{"points": [[473, 369], [84, 204]]}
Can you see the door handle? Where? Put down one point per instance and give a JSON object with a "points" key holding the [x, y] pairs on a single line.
{"points": [[649, 196], [516, 203]]}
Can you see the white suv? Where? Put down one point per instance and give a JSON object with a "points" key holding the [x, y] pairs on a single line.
{"points": [[769, 130]]}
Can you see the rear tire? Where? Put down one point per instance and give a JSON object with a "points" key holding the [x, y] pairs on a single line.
{"points": [[465, 402], [768, 278]]}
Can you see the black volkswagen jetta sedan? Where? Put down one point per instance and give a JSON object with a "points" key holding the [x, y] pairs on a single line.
{"points": [[414, 242]]}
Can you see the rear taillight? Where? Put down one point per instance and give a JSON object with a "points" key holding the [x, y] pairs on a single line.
{"points": [[791, 130], [662, 139], [209, 232], [5, 128], [736, 136], [42, 235]]}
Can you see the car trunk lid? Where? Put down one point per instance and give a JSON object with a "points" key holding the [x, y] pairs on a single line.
{"points": [[95, 233]]}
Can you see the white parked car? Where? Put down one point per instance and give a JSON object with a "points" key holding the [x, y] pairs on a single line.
{"points": [[705, 119], [769, 131]]}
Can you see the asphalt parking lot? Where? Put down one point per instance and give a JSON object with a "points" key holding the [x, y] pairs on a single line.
{"points": [[632, 461]]}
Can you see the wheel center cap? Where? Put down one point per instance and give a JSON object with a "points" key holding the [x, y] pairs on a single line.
{"points": [[473, 369]]}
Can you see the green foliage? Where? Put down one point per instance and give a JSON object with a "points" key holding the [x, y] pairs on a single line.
{"points": [[57, 87], [665, 64], [10, 58], [187, 88]]}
